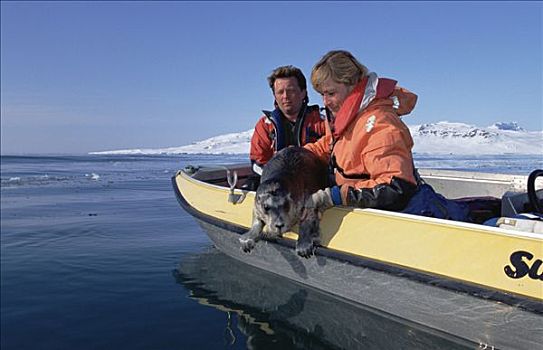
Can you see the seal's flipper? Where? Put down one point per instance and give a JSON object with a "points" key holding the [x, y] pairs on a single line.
{"points": [[309, 234], [249, 239]]}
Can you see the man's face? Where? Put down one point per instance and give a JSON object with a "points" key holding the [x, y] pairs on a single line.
{"points": [[288, 95]]}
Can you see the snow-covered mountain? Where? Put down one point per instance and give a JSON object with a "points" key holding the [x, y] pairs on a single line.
{"points": [[234, 143], [433, 138], [460, 138]]}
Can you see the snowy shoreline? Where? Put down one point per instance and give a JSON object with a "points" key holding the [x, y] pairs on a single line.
{"points": [[440, 138]]}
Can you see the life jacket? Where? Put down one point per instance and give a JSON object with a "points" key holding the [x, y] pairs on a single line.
{"points": [[368, 145], [269, 134], [303, 134]]}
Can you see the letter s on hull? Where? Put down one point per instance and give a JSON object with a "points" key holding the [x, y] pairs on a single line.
{"points": [[520, 266]]}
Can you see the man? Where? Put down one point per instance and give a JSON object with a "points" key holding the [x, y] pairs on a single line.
{"points": [[291, 123]]}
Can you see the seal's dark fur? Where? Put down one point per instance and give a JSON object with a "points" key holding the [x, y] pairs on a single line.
{"points": [[288, 179]]}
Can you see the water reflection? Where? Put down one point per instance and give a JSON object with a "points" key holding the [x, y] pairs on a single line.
{"points": [[273, 312]]}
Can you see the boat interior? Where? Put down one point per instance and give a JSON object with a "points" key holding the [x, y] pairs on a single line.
{"points": [[502, 195]]}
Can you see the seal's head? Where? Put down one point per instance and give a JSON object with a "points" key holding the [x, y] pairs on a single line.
{"points": [[275, 207]]}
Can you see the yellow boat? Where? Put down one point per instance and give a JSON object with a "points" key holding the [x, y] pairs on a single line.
{"points": [[480, 283]]}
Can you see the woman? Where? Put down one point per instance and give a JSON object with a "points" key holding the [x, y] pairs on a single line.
{"points": [[366, 143]]}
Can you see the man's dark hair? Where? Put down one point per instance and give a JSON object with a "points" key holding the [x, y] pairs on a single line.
{"points": [[287, 72]]}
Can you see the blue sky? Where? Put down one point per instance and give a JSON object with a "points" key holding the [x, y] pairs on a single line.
{"points": [[90, 76]]}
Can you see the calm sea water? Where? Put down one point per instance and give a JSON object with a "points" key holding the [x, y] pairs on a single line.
{"points": [[96, 253]]}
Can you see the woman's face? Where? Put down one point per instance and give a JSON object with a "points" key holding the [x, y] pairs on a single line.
{"points": [[334, 93]]}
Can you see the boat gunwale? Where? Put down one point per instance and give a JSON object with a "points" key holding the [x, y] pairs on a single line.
{"points": [[524, 302], [378, 212]]}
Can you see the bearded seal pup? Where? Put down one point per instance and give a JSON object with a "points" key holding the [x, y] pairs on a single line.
{"points": [[288, 179]]}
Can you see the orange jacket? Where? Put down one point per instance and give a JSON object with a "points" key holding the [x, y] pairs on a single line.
{"points": [[269, 137], [370, 147]]}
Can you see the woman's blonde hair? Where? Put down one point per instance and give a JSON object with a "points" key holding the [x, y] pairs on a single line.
{"points": [[341, 66]]}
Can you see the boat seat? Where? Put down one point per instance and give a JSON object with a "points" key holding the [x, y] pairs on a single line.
{"points": [[515, 203]]}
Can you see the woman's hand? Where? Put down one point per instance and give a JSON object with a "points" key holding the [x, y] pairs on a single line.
{"points": [[320, 200]]}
